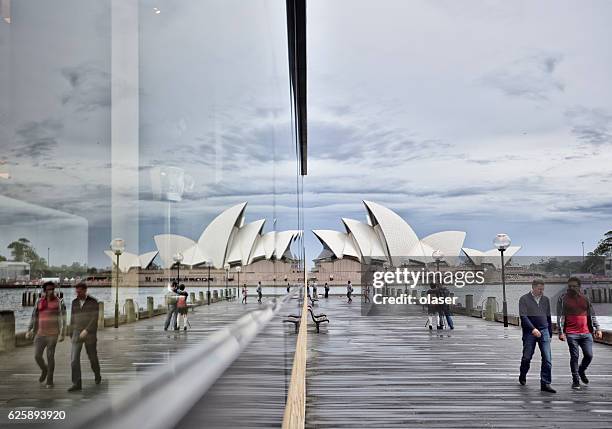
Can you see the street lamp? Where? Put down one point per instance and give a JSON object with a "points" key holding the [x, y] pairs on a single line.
{"points": [[227, 269], [178, 258], [238, 269], [438, 256], [117, 246], [208, 264], [502, 242], [386, 266]]}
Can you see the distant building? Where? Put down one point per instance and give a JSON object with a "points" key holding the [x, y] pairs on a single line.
{"points": [[11, 272], [608, 266]]}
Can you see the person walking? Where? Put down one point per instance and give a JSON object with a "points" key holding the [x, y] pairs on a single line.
{"points": [[259, 293], [534, 311], [349, 292], [366, 293], [326, 290], [315, 294], [84, 328], [288, 287], [181, 307], [433, 310], [444, 308], [171, 301], [244, 294], [47, 326], [577, 324]]}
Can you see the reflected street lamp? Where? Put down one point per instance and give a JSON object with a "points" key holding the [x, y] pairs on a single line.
{"points": [[227, 269], [117, 246], [438, 256], [208, 264], [502, 242], [238, 269], [178, 258]]}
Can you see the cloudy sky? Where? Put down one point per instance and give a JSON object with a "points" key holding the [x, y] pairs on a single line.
{"points": [[482, 116]]}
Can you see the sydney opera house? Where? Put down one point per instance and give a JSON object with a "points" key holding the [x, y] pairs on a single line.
{"points": [[226, 243], [387, 239]]}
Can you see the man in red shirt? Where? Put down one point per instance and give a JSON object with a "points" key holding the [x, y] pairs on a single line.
{"points": [[48, 323], [577, 323]]}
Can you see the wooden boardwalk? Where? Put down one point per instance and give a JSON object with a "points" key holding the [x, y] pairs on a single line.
{"points": [[392, 372], [252, 392], [124, 354]]}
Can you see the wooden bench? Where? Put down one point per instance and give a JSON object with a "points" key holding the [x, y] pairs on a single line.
{"points": [[317, 318], [292, 318]]}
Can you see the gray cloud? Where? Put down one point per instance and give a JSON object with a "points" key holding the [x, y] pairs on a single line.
{"points": [[591, 126], [36, 140], [89, 87], [532, 77]]}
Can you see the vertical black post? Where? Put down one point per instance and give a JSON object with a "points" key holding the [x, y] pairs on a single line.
{"points": [[208, 282], [117, 294], [505, 303]]}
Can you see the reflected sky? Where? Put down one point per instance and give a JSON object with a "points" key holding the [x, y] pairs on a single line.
{"points": [[479, 116]]}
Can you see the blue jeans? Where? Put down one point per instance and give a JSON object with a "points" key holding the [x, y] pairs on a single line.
{"points": [[529, 344], [576, 342]]}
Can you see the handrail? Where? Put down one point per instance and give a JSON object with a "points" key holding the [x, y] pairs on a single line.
{"points": [[163, 397], [295, 408]]}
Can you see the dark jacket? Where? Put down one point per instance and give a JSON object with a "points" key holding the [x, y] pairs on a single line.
{"points": [[61, 320], [534, 315], [86, 317], [562, 311]]}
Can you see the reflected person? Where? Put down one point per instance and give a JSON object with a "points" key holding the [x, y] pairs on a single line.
{"points": [[84, 328], [534, 310], [171, 301], [48, 324]]}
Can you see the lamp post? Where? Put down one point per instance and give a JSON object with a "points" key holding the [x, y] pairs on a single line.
{"points": [[386, 266], [238, 269], [227, 269], [502, 242], [178, 258], [117, 246], [208, 264]]}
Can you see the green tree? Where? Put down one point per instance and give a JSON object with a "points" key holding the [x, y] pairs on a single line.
{"points": [[604, 247], [19, 249], [2, 258]]}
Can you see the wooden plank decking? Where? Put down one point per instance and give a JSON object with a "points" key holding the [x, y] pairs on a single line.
{"points": [[392, 372]]}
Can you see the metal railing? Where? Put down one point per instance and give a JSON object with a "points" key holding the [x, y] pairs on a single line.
{"points": [[163, 397]]}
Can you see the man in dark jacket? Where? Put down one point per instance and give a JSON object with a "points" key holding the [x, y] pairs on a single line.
{"points": [[84, 325], [445, 313], [577, 323], [48, 323], [534, 309]]}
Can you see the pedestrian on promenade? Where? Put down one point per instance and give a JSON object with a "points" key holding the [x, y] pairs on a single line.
{"points": [[315, 294], [288, 287], [349, 292], [534, 310], [259, 293], [433, 310], [84, 328], [244, 294], [181, 307], [577, 324], [326, 290], [171, 301], [445, 312], [48, 325], [366, 294]]}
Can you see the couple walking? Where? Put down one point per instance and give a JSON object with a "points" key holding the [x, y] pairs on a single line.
{"points": [[176, 299], [48, 327], [577, 325]]}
